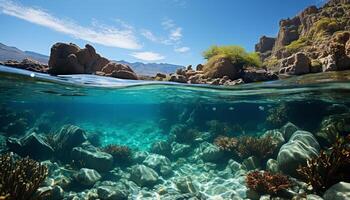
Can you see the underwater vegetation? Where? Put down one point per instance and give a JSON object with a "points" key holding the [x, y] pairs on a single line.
{"points": [[122, 155], [277, 116], [330, 167], [334, 126], [20, 178], [246, 146], [264, 182]]}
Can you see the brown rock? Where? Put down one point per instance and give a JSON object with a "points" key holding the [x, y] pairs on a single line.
{"points": [[178, 78], [63, 59], [222, 67], [265, 44], [199, 67], [296, 64], [118, 70], [27, 64], [257, 75]]}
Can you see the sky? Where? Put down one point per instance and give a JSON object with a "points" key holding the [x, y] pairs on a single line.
{"points": [[171, 31]]}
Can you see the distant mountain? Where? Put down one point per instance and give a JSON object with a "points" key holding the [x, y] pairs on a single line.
{"points": [[151, 69], [13, 53]]}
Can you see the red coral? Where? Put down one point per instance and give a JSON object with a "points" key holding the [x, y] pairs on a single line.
{"points": [[226, 143], [121, 154], [329, 168], [267, 183]]}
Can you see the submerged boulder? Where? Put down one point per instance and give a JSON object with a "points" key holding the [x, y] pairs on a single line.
{"points": [[159, 163], [339, 191], [92, 157], [87, 176], [143, 176], [32, 145], [301, 147], [68, 137]]}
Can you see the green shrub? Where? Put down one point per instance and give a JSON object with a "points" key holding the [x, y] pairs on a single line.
{"points": [[297, 44], [326, 24], [236, 54]]}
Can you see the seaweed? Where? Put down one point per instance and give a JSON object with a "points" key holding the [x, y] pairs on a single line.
{"points": [[121, 154], [267, 183], [20, 178], [329, 168], [246, 146]]}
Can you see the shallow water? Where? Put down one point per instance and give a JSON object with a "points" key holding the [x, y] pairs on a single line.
{"points": [[139, 113]]}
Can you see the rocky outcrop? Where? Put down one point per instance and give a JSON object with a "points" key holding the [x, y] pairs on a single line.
{"points": [[296, 64], [87, 177], [70, 59], [27, 64], [222, 67], [320, 34], [265, 44], [339, 191]]}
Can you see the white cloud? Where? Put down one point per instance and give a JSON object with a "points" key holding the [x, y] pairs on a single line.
{"points": [[176, 34], [168, 24], [99, 34], [147, 56], [149, 35], [182, 49]]}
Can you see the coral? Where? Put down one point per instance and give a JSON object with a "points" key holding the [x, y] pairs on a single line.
{"points": [[228, 144], [246, 146], [217, 127], [262, 148], [184, 134], [334, 126], [330, 167], [19, 179], [266, 182], [277, 116], [121, 154]]}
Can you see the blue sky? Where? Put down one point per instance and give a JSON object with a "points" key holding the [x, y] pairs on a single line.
{"points": [[173, 31]]}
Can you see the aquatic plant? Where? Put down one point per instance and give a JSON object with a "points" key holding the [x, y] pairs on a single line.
{"points": [[267, 183], [246, 146], [20, 178], [228, 144], [329, 168], [262, 148], [184, 134], [334, 126], [277, 116], [121, 154], [218, 128]]}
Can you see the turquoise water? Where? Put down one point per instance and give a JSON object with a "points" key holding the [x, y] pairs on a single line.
{"points": [[138, 114]]}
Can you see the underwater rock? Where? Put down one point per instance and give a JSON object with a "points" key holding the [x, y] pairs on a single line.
{"points": [[91, 157], [143, 176], [233, 165], [162, 148], [111, 193], [251, 163], [339, 191], [32, 145], [301, 146], [50, 192], [70, 136], [159, 163], [87, 177], [180, 150], [209, 152], [313, 197], [272, 166], [288, 130], [3, 145], [185, 185], [139, 156], [276, 137]]}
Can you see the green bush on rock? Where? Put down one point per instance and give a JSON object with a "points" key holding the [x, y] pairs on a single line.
{"points": [[236, 54]]}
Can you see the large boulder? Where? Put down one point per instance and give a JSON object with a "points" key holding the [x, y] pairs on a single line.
{"points": [[257, 75], [92, 157], [222, 66], [70, 59], [68, 137], [339, 191], [301, 147], [27, 64], [143, 176], [296, 64], [32, 145]]}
